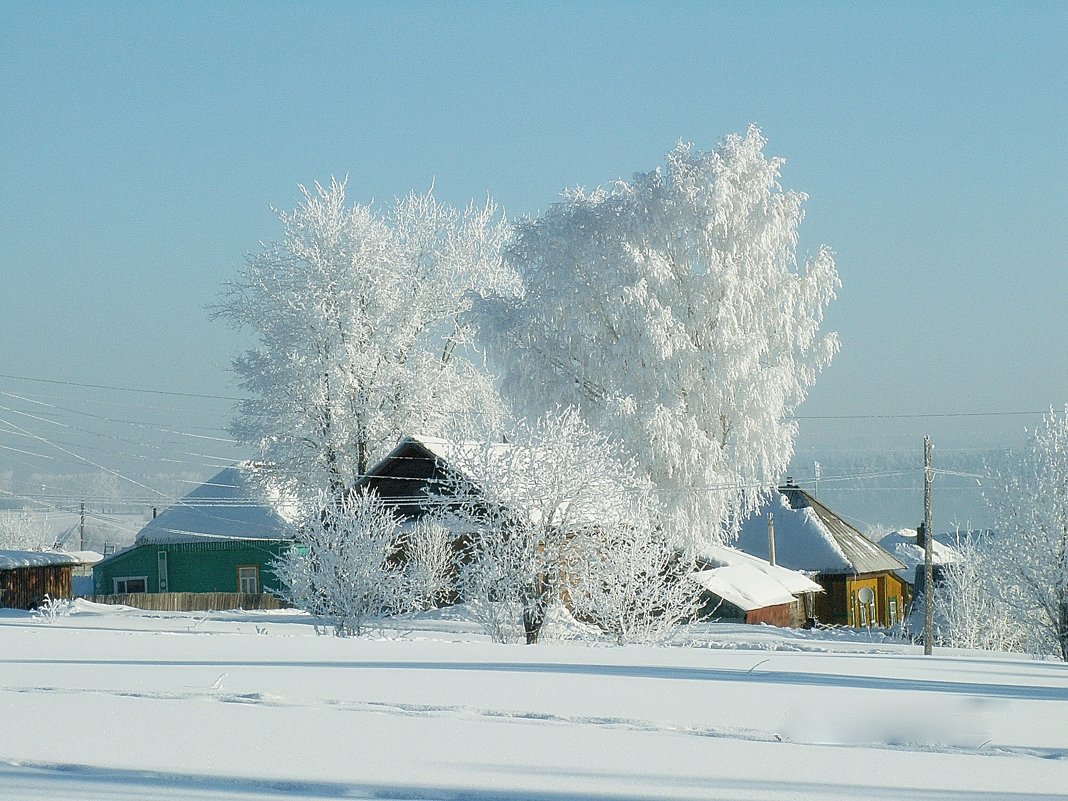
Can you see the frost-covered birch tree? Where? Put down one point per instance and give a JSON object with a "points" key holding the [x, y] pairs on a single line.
{"points": [[359, 317], [672, 312], [1030, 563]]}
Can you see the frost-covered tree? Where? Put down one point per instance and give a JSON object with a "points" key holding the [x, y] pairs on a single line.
{"points": [[671, 311], [1030, 562], [520, 507], [22, 531], [362, 338], [968, 611]]}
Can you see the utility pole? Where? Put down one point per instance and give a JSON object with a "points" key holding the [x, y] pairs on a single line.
{"points": [[771, 538], [928, 560], [81, 528]]}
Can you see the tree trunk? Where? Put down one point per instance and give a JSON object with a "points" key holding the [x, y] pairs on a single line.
{"points": [[535, 605]]}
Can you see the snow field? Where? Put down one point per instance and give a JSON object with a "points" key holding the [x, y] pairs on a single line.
{"points": [[115, 704]]}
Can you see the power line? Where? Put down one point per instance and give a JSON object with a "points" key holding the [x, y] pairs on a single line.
{"points": [[121, 389], [913, 415]]}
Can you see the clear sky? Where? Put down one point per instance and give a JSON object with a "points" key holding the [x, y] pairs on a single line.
{"points": [[144, 144]]}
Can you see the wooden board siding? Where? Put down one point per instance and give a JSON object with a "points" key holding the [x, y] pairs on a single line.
{"points": [[191, 567], [26, 587], [789, 616], [838, 605]]}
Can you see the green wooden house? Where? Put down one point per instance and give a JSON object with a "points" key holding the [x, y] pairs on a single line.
{"points": [[218, 538]]}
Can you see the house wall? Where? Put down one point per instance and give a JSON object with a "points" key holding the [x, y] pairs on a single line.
{"points": [[26, 587], [791, 615], [839, 605], [190, 567]]}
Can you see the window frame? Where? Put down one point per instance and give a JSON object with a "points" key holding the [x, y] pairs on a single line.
{"points": [[125, 580], [241, 579]]}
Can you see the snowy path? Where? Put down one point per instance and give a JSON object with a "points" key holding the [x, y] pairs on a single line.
{"points": [[151, 706]]}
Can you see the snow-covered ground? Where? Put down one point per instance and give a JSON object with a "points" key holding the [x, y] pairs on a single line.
{"points": [[122, 704]]}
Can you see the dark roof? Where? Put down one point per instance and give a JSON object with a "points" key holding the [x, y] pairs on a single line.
{"points": [[403, 476]]}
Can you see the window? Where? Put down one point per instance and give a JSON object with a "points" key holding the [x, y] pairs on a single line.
{"points": [[128, 584], [893, 612], [248, 578]]}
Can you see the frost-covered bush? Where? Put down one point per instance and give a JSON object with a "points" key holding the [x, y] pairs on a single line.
{"points": [[52, 609], [969, 613], [428, 565], [632, 582], [1029, 560], [343, 564], [556, 517], [354, 564], [518, 505]]}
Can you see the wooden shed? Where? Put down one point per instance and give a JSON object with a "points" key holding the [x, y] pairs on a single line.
{"points": [[744, 588], [26, 577]]}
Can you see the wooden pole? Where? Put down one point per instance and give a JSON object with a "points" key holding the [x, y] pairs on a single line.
{"points": [[771, 537], [928, 554]]}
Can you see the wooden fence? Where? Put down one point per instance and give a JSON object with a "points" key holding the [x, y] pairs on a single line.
{"points": [[192, 601]]}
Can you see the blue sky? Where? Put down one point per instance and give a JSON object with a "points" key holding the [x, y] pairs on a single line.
{"points": [[144, 145]]}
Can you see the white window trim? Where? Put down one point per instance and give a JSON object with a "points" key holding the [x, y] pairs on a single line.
{"points": [[240, 580]]}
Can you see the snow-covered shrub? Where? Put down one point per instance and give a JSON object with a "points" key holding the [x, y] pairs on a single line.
{"points": [[344, 565], [1029, 558], [554, 517], [428, 564], [968, 611], [632, 582], [52, 609]]}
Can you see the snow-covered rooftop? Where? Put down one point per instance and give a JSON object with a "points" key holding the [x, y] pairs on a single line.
{"points": [[15, 559], [225, 507], [809, 536], [750, 582], [902, 544]]}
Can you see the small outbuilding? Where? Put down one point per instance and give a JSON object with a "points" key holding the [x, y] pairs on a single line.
{"points": [[26, 577], [747, 589]]}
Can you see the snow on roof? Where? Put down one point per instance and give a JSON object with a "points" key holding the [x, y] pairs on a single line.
{"points": [[748, 581], [225, 507], [809, 536], [903, 545], [793, 580], [15, 559], [744, 586]]}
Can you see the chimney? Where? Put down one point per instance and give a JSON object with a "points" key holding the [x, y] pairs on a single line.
{"points": [[921, 535]]}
